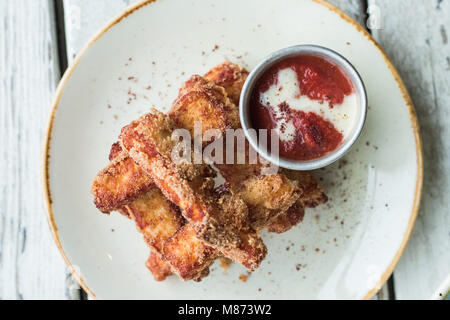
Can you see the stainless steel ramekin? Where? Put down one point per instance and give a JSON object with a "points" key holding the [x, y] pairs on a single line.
{"points": [[298, 50]]}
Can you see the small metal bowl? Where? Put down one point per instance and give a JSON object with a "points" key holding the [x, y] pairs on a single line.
{"points": [[294, 51]]}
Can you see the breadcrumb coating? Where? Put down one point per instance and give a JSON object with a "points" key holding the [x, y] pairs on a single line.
{"points": [[231, 77], [119, 183], [143, 183], [158, 267]]}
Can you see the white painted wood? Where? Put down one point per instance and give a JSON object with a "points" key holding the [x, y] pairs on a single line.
{"points": [[415, 34], [84, 18], [30, 264]]}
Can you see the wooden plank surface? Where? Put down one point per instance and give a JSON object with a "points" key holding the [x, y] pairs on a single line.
{"points": [[415, 35], [30, 264]]}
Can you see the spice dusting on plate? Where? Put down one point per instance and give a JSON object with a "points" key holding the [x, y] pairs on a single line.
{"points": [[225, 263], [244, 277]]}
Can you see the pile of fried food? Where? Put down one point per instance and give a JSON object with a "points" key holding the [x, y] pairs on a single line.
{"points": [[185, 219]]}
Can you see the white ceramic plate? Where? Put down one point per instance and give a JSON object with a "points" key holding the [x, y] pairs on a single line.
{"points": [[346, 249]]}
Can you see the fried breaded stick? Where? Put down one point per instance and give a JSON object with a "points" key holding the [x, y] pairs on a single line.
{"points": [[148, 142], [201, 100], [231, 77], [156, 218], [211, 99], [292, 217], [313, 194], [189, 256], [267, 197], [120, 182], [158, 267], [251, 243]]}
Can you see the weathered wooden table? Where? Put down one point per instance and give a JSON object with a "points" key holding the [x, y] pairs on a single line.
{"points": [[38, 38]]}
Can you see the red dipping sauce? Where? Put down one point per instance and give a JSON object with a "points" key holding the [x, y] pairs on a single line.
{"points": [[300, 97]]}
